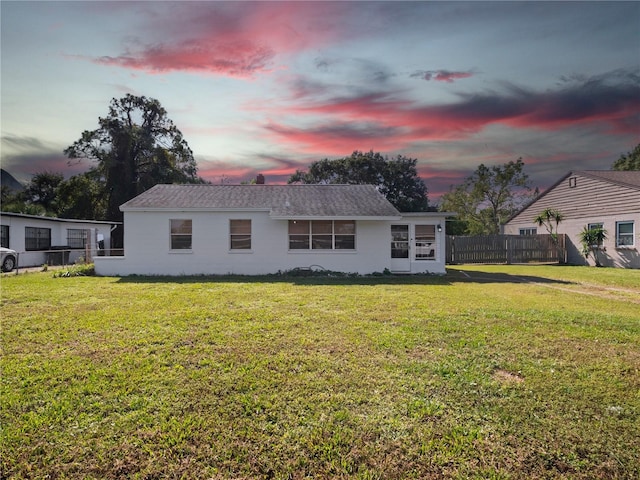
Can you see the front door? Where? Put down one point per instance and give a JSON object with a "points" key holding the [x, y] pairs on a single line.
{"points": [[400, 248]]}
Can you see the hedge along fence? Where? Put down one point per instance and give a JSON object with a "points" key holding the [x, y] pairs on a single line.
{"points": [[505, 249]]}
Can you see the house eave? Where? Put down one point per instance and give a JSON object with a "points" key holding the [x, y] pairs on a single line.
{"points": [[57, 219], [192, 209], [335, 217], [428, 214]]}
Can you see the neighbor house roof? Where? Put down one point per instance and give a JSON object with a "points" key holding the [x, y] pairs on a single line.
{"points": [[281, 201], [56, 219], [593, 200], [626, 178]]}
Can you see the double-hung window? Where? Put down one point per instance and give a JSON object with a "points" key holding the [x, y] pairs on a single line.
{"points": [[625, 234], [322, 235], [240, 234], [37, 238], [76, 237], [181, 234]]}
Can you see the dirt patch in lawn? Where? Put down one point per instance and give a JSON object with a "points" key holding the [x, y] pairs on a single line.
{"points": [[503, 376]]}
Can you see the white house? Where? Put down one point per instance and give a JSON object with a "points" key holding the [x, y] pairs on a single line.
{"points": [[39, 240], [261, 229], [604, 198]]}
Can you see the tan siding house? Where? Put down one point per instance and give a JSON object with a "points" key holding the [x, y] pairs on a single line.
{"points": [[590, 198]]}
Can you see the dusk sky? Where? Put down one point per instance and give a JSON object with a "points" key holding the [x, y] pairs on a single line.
{"points": [[269, 87]]}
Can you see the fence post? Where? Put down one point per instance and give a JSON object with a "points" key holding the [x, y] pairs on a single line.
{"points": [[509, 250]]}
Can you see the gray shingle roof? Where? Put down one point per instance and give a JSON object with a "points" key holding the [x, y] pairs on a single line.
{"points": [[285, 201]]}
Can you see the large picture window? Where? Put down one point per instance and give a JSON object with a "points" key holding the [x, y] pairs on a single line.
{"points": [[181, 233], [322, 235], [624, 234], [76, 238], [240, 233], [37, 238]]}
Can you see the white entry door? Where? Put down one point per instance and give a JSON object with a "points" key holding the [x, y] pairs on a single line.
{"points": [[400, 248]]}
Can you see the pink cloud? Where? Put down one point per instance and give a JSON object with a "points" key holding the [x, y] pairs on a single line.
{"points": [[276, 169], [234, 39], [336, 138], [390, 120], [239, 59]]}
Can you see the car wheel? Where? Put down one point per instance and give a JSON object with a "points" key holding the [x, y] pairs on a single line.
{"points": [[8, 264]]}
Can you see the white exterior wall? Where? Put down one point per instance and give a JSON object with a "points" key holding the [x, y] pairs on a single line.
{"points": [[437, 265], [58, 228], [147, 247]]}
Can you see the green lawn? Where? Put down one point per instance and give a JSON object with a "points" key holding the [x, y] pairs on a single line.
{"points": [[488, 372]]}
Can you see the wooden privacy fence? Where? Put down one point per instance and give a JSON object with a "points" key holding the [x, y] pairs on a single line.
{"points": [[505, 249]]}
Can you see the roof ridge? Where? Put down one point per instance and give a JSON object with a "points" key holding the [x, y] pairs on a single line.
{"points": [[605, 175]]}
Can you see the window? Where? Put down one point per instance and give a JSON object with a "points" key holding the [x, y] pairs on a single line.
{"points": [[37, 238], [299, 234], [624, 234], [344, 234], [76, 238], [528, 231], [181, 232], [4, 236], [425, 242], [322, 234], [594, 226], [240, 234], [573, 182]]}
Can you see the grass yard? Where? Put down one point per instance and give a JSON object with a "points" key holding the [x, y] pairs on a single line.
{"points": [[503, 372]]}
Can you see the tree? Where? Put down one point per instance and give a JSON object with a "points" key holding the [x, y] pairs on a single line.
{"points": [[14, 201], [41, 190], [591, 240], [397, 179], [629, 161], [550, 218], [136, 146], [488, 197], [82, 196]]}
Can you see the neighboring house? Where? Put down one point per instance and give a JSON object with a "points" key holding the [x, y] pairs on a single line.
{"points": [[40, 240], [609, 199], [261, 229]]}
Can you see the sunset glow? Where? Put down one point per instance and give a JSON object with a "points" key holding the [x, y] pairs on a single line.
{"points": [[268, 87]]}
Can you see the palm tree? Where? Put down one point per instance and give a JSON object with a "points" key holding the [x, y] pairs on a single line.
{"points": [[550, 217], [591, 240]]}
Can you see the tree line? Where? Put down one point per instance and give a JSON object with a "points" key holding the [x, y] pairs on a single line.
{"points": [[137, 146]]}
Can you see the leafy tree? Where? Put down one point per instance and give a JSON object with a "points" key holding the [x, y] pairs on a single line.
{"points": [[488, 197], [15, 201], [397, 179], [136, 146], [82, 196], [629, 161], [41, 190], [591, 240]]}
